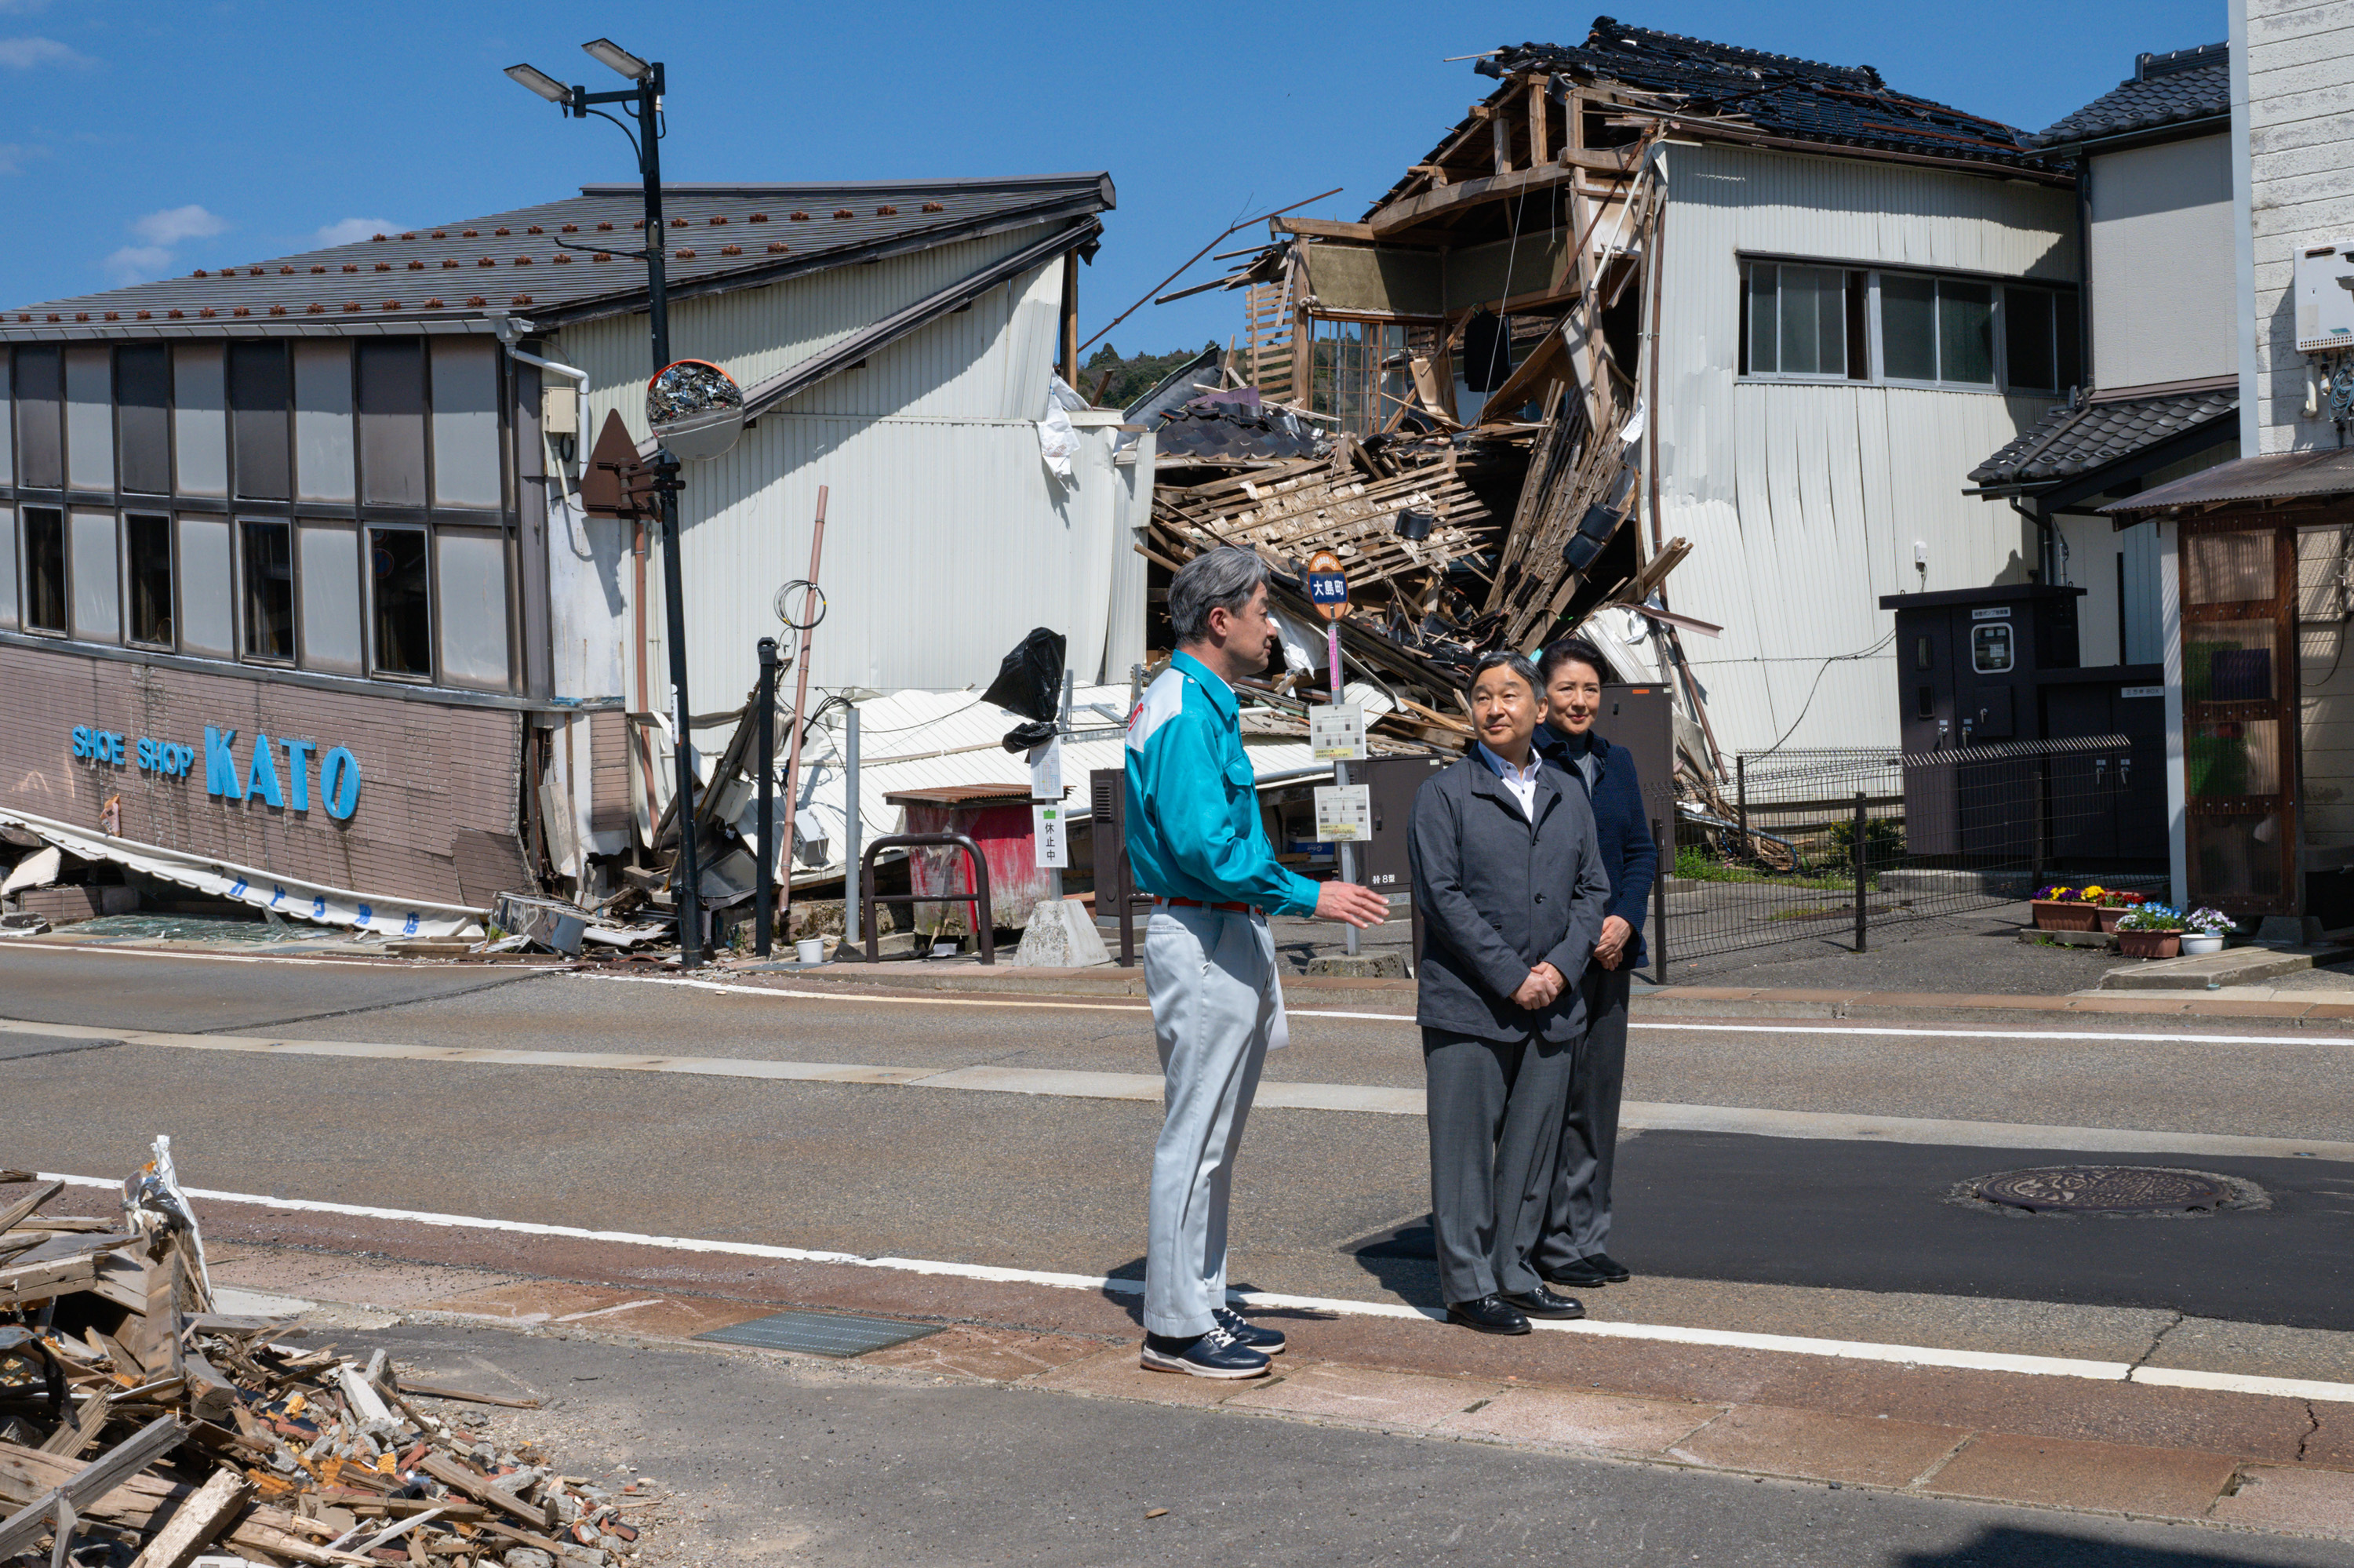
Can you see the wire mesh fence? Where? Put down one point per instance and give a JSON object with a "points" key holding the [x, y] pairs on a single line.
{"points": [[1853, 842]]}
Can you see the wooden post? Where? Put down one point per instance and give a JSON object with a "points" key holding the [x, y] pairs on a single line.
{"points": [[1070, 355], [1540, 122], [1500, 130]]}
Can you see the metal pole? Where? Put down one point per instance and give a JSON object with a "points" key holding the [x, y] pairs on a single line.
{"points": [[1860, 820], [1340, 776], [764, 914], [851, 824], [800, 700], [1741, 793], [1063, 733], [1667, 851], [690, 888]]}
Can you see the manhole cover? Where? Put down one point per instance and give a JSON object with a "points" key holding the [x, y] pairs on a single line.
{"points": [[821, 1334], [2107, 1189]]}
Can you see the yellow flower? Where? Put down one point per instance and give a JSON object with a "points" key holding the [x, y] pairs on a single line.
{"points": [[2093, 892]]}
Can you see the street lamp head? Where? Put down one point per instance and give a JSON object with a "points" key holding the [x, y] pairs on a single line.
{"points": [[540, 82], [606, 52]]}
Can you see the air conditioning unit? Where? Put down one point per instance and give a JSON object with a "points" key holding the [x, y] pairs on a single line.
{"points": [[2325, 296]]}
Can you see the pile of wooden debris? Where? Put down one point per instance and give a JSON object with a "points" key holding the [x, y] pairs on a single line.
{"points": [[140, 1426]]}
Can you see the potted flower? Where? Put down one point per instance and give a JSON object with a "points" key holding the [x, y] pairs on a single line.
{"points": [[2150, 931], [2113, 904], [2059, 908], [2203, 931]]}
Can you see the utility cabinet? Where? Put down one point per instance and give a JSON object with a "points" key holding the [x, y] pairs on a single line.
{"points": [[1966, 661]]}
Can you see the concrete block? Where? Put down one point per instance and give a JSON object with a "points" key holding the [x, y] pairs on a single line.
{"points": [[2058, 1472], [2295, 930], [2232, 966], [1388, 964], [1061, 936], [1820, 1447], [2275, 1496]]}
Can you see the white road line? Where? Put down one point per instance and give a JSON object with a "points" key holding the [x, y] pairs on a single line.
{"points": [[1636, 1116], [1788, 1344]]}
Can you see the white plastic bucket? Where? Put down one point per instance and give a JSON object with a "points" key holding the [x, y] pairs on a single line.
{"points": [[810, 949]]}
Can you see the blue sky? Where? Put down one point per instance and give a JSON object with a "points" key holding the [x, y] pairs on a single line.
{"points": [[141, 140]]}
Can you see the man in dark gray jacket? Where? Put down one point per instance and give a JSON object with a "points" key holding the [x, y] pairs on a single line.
{"points": [[1510, 881]]}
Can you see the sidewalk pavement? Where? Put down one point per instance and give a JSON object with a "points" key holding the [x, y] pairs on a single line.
{"points": [[2258, 1462]]}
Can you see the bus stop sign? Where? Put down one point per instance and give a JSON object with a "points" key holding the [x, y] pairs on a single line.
{"points": [[1328, 588]]}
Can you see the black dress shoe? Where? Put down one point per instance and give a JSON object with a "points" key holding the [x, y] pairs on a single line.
{"points": [[1609, 1267], [1580, 1273], [1539, 1302], [1488, 1315]]}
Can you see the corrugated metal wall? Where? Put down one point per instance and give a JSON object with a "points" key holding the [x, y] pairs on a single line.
{"points": [[947, 537], [1802, 501]]}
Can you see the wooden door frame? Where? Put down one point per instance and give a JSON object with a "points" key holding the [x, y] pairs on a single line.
{"points": [[2284, 706]]}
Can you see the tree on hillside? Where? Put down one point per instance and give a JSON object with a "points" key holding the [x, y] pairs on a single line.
{"points": [[1109, 381]]}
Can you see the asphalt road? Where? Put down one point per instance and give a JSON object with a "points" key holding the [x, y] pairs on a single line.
{"points": [[796, 1463]]}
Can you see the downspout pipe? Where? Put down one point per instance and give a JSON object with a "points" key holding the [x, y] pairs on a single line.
{"points": [[2048, 549], [574, 371]]}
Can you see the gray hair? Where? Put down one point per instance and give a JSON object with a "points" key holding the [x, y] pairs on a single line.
{"points": [[1223, 579], [1517, 663]]}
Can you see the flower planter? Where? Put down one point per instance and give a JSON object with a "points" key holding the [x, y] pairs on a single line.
{"points": [[2194, 943], [2110, 914], [2149, 943], [2065, 915]]}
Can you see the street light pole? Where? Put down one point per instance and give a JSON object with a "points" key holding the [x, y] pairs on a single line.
{"points": [[643, 103]]}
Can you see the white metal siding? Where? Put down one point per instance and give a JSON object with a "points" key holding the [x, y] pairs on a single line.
{"points": [[2162, 237], [1803, 503], [2299, 76]]}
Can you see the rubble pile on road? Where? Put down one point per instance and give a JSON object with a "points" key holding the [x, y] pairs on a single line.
{"points": [[142, 1428]]}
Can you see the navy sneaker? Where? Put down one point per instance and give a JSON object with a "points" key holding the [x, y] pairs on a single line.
{"points": [[1265, 1342], [1214, 1354]]}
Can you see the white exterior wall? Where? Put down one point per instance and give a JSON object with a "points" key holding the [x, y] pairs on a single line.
{"points": [[2292, 81], [1803, 503], [2161, 235], [947, 537]]}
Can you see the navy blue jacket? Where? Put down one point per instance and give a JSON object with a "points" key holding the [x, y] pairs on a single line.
{"points": [[1629, 855]]}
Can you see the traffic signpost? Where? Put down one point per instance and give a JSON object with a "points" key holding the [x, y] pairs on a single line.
{"points": [[1328, 590]]}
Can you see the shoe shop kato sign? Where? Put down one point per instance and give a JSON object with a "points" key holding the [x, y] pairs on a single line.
{"points": [[280, 773]]}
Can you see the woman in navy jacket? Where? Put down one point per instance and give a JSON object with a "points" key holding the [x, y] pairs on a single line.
{"points": [[1577, 1222]]}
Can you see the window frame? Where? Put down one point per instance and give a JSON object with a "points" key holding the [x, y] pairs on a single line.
{"points": [[1875, 350], [428, 517]]}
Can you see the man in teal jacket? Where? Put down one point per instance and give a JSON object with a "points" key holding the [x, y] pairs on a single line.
{"points": [[1196, 842]]}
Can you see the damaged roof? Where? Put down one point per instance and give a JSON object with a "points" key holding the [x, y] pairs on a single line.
{"points": [[1804, 100], [2070, 440], [568, 260], [2170, 88]]}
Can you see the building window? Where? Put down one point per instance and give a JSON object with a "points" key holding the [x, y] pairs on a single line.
{"points": [[266, 563], [147, 555], [40, 419], [1814, 322], [142, 394], [259, 392], [399, 603], [93, 572], [392, 421], [90, 417], [207, 587], [1804, 321], [44, 570]]}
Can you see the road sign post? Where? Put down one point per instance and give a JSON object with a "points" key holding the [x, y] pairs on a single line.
{"points": [[1328, 590]]}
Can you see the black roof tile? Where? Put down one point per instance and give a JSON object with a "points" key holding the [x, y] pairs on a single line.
{"points": [[2164, 90], [2069, 440], [718, 236]]}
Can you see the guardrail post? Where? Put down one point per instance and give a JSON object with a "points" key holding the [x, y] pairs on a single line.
{"points": [[1861, 820]]}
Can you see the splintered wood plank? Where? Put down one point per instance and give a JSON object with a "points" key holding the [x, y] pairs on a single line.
{"points": [[16, 1212], [194, 1523]]}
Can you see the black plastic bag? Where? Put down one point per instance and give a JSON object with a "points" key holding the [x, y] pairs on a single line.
{"points": [[1023, 736], [1030, 681]]}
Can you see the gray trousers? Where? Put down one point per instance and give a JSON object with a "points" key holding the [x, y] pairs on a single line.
{"points": [[1217, 1007], [1495, 1112], [1577, 1222]]}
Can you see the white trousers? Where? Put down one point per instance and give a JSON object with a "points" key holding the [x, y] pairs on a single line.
{"points": [[1218, 1010]]}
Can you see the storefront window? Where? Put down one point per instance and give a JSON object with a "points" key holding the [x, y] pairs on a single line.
{"points": [[268, 567], [147, 550], [398, 598]]}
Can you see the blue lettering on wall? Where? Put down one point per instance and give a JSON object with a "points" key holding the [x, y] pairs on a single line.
{"points": [[220, 764], [338, 769], [261, 779], [339, 783], [297, 764]]}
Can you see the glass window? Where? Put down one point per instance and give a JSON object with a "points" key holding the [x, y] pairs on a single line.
{"points": [[8, 565], [2027, 345], [329, 555], [392, 421], [266, 563], [466, 422], [1966, 331], [147, 548], [473, 582], [259, 390], [7, 425], [1765, 318], [90, 417], [44, 570], [322, 420], [1990, 648], [1908, 328], [200, 426], [399, 603], [97, 591], [208, 593], [40, 419], [142, 394]]}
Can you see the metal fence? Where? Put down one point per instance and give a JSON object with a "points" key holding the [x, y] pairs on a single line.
{"points": [[1780, 855]]}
